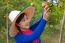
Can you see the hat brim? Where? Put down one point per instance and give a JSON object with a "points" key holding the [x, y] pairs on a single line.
{"points": [[28, 11]]}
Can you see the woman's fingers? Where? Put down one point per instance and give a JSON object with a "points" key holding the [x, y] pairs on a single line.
{"points": [[46, 15], [46, 10]]}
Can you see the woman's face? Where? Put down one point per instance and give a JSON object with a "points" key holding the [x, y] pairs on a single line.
{"points": [[25, 22]]}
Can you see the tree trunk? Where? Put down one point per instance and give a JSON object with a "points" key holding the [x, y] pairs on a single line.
{"points": [[62, 28]]}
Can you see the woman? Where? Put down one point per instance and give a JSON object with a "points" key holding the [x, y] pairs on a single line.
{"points": [[21, 30]]}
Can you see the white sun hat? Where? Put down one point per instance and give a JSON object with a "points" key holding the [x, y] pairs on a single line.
{"points": [[13, 16]]}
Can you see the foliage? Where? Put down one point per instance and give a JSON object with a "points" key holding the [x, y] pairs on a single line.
{"points": [[56, 14]]}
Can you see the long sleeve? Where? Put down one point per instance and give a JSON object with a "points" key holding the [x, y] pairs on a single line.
{"points": [[33, 26], [21, 38]]}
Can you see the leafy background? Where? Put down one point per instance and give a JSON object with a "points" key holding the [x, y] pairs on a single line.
{"points": [[51, 32]]}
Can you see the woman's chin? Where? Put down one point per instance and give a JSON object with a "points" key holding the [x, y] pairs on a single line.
{"points": [[27, 27]]}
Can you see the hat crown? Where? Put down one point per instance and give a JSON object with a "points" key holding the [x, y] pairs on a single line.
{"points": [[13, 15]]}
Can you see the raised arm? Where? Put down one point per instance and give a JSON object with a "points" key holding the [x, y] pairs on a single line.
{"points": [[33, 26], [45, 15]]}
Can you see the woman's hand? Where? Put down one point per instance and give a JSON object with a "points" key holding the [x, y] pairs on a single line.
{"points": [[45, 8]]}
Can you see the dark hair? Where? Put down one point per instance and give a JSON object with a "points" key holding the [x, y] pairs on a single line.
{"points": [[18, 20], [20, 17]]}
